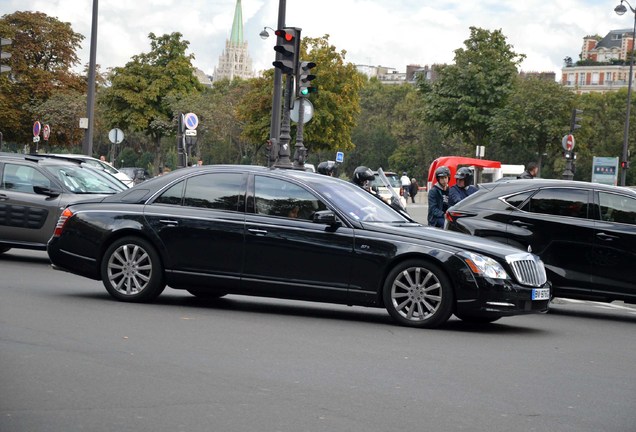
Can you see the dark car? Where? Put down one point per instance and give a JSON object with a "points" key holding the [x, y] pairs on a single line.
{"points": [[33, 192], [290, 234], [585, 233]]}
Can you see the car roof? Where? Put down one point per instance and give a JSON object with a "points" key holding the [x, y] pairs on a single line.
{"points": [[512, 185], [40, 159]]}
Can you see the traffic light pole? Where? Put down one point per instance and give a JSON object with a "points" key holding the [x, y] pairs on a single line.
{"points": [[274, 129], [300, 150], [285, 128]]}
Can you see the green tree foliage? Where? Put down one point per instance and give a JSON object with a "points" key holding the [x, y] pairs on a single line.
{"points": [[336, 103], [531, 124], [43, 53], [138, 98], [466, 93], [61, 112]]}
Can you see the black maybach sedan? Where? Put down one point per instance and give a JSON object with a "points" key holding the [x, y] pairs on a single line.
{"points": [[220, 230]]}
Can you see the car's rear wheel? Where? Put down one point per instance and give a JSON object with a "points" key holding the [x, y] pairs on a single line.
{"points": [[418, 294], [131, 270], [205, 293]]}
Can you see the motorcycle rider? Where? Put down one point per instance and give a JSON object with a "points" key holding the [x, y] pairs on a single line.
{"points": [[438, 198]]}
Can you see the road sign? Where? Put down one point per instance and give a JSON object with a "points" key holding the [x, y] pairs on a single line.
{"points": [[36, 139], [339, 157], [190, 132], [5, 55], [46, 132], [191, 121], [37, 127], [116, 135], [308, 111], [5, 41], [568, 142], [4, 68]]}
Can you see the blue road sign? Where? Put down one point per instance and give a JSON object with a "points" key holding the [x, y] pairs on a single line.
{"points": [[339, 157], [191, 121]]}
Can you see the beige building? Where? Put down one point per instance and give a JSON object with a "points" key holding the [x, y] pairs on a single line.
{"points": [[235, 61]]}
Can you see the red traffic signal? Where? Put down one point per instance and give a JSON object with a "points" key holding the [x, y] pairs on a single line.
{"points": [[287, 48]]}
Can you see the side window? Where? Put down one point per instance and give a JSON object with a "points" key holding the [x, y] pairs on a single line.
{"points": [[559, 202], [519, 199], [221, 191], [172, 196], [617, 208], [21, 178], [276, 197]]}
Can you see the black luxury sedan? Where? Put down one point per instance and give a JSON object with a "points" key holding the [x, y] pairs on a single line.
{"points": [[585, 233], [249, 230], [34, 190]]}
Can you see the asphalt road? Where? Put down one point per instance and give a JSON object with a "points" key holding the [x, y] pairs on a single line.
{"points": [[73, 359]]}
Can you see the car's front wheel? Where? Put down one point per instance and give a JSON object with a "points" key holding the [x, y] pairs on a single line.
{"points": [[418, 294], [131, 270]]}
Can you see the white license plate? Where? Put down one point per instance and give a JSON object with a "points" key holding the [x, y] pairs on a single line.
{"points": [[541, 294]]}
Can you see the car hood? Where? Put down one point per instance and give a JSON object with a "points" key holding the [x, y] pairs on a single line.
{"points": [[447, 239]]}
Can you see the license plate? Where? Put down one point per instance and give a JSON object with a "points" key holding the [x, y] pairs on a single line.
{"points": [[541, 294]]}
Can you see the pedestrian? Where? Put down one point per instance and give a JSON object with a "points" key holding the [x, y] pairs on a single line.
{"points": [[406, 185], [531, 171], [438, 198], [200, 162], [463, 186], [413, 189]]}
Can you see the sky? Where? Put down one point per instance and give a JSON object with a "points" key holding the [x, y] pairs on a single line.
{"points": [[390, 33]]}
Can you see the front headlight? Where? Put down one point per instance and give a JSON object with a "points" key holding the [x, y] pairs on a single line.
{"points": [[484, 266]]}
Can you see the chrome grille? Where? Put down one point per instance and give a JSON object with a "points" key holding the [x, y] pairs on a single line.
{"points": [[528, 269]]}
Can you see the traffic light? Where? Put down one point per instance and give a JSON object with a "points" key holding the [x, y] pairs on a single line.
{"points": [[4, 54], [303, 81], [288, 46], [625, 164], [574, 124]]}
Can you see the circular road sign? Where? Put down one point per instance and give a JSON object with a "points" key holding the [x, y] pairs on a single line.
{"points": [[191, 121], [116, 135], [46, 132], [568, 142], [37, 127], [308, 111]]}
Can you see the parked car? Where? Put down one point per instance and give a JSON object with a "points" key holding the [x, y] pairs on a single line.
{"points": [[290, 234], [137, 174], [585, 233], [33, 191], [378, 185], [96, 163]]}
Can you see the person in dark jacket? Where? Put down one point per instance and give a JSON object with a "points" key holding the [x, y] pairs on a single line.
{"points": [[463, 186], [438, 198], [413, 189], [531, 171]]}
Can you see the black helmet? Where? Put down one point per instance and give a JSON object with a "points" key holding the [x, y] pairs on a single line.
{"points": [[442, 172], [362, 174], [326, 168], [463, 173]]}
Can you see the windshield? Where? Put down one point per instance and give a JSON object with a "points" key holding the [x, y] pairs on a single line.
{"points": [[393, 179], [357, 203], [83, 180]]}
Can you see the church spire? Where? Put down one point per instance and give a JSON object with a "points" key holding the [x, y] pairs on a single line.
{"points": [[236, 38], [235, 61]]}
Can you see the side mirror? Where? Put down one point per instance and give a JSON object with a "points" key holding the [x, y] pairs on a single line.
{"points": [[51, 192], [326, 217]]}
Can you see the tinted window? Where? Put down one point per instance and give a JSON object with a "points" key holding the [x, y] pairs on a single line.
{"points": [[221, 191], [281, 198], [617, 208], [22, 178], [519, 199], [559, 202], [173, 195]]}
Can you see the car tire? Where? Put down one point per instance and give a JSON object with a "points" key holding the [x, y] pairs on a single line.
{"points": [[418, 294], [206, 293], [477, 319], [131, 270]]}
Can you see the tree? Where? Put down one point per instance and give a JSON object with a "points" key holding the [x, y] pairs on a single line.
{"points": [[466, 93], [532, 122], [138, 97], [61, 111], [43, 53]]}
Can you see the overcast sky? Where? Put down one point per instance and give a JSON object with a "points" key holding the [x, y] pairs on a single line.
{"points": [[390, 33]]}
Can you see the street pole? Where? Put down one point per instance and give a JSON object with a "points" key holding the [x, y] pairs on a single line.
{"points": [[87, 147], [300, 150], [285, 138], [620, 10], [274, 130]]}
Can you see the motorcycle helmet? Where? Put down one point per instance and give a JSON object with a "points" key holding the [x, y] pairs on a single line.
{"points": [[326, 168], [362, 174], [466, 174], [441, 172]]}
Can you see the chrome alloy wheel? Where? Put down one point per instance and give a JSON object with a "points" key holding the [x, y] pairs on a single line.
{"points": [[129, 269], [416, 293]]}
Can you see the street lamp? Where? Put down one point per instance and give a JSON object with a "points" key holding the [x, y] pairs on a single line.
{"points": [[265, 34], [620, 10]]}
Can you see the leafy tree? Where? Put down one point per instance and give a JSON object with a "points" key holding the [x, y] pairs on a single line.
{"points": [[43, 53], [466, 93], [532, 122], [61, 111], [138, 98]]}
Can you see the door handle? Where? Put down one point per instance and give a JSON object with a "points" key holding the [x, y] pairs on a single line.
{"points": [[606, 237], [169, 222], [521, 223], [258, 232]]}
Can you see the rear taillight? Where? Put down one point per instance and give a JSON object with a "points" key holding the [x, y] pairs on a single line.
{"points": [[67, 213]]}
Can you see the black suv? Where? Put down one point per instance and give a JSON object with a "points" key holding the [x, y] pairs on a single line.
{"points": [[34, 189], [585, 233]]}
